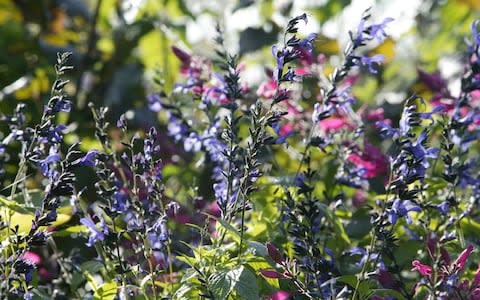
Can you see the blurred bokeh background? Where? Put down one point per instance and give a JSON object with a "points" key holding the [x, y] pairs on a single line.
{"points": [[120, 46]]}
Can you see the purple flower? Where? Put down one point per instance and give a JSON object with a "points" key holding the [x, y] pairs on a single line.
{"points": [[360, 38], [122, 122], [280, 57], [364, 254], [307, 43], [475, 33], [25, 266], [192, 143], [377, 31], [120, 201], [176, 129], [89, 159], [95, 233], [158, 234], [154, 103], [45, 163], [369, 61], [400, 209]]}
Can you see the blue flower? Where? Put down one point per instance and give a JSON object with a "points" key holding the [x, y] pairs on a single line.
{"points": [[154, 103], [475, 33], [443, 208], [192, 143], [358, 41], [45, 163], [120, 201], [400, 209], [364, 254], [307, 43], [158, 234], [95, 233], [370, 61], [89, 159], [377, 31], [280, 58]]}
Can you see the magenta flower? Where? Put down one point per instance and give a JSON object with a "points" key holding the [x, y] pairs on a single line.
{"points": [[424, 270], [280, 295], [459, 264]]}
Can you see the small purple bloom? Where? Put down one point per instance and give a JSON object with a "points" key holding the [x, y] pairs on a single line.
{"points": [[360, 38], [377, 31], [402, 208], [307, 43], [89, 159], [120, 201], [369, 61], [364, 254], [95, 233], [45, 163], [192, 143], [158, 234], [122, 122], [475, 33], [154, 103]]}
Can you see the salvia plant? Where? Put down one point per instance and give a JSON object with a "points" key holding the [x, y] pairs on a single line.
{"points": [[287, 190]]}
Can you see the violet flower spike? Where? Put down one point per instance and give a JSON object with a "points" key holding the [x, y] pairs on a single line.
{"points": [[402, 209], [95, 233], [377, 31], [369, 61]]}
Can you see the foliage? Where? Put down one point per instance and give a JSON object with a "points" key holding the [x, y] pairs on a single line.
{"points": [[206, 184]]}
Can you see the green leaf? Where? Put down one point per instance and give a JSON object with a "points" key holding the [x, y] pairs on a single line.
{"points": [[183, 291], [91, 266], [106, 291], [247, 287], [259, 249], [70, 230], [387, 292], [14, 206], [232, 232], [222, 283], [351, 280]]}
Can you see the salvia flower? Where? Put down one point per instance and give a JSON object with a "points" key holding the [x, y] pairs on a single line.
{"points": [[460, 262], [89, 159], [424, 270], [96, 234], [377, 31], [400, 209], [370, 61]]}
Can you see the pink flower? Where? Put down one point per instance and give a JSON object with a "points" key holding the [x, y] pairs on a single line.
{"points": [[33, 257], [267, 89], [280, 295], [372, 160], [424, 270], [333, 124], [475, 294], [476, 280], [459, 264]]}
